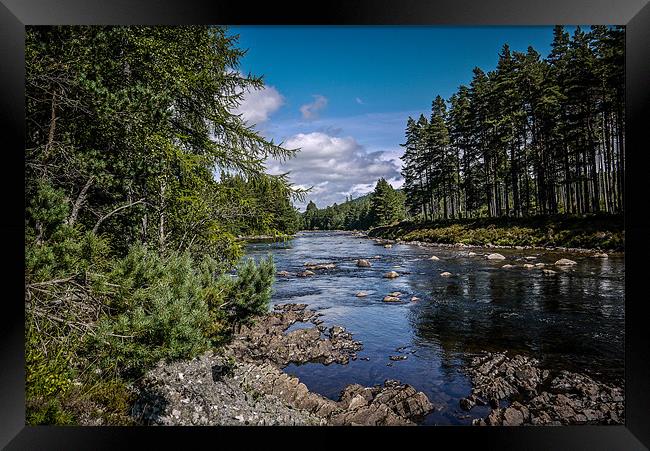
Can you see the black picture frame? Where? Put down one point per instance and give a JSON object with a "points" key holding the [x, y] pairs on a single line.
{"points": [[635, 14]]}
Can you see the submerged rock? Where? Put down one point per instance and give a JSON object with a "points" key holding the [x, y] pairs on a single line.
{"points": [[508, 266], [314, 266], [361, 294], [388, 246], [391, 299], [283, 273], [564, 262], [600, 255], [528, 266], [445, 274], [391, 275], [433, 257], [398, 357], [363, 263], [548, 272], [495, 257], [415, 299], [306, 273]]}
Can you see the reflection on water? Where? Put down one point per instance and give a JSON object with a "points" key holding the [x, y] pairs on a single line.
{"points": [[573, 319]]}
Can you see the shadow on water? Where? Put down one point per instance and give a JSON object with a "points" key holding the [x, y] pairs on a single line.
{"points": [[573, 319]]}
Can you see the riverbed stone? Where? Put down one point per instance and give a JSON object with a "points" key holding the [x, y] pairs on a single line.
{"points": [[388, 246], [306, 273], [495, 256], [391, 299], [548, 272], [565, 262], [445, 274], [391, 275], [600, 255], [508, 266], [363, 263], [361, 294], [528, 266], [316, 266], [433, 257]]}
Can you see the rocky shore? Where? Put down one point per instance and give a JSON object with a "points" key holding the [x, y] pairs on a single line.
{"points": [[244, 384], [539, 396]]}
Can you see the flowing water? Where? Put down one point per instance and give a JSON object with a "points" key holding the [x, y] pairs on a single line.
{"points": [[571, 320]]}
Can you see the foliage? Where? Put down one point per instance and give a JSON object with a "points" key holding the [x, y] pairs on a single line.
{"points": [[587, 232], [139, 178]]}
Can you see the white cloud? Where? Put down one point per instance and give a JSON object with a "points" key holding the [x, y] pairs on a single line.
{"points": [[335, 167], [259, 104], [311, 110], [359, 101]]}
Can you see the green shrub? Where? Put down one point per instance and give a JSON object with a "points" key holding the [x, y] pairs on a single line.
{"points": [[158, 312]]}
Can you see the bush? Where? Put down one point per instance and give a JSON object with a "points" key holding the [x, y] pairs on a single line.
{"points": [[158, 312]]}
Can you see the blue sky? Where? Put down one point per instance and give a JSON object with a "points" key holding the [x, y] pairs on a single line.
{"points": [[343, 93]]}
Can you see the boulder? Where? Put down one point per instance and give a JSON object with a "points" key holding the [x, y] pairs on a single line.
{"points": [[495, 257], [415, 299], [319, 265], [363, 263], [391, 275], [472, 254], [398, 357], [433, 257], [540, 265], [395, 293], [548, 272], [361, 294], [388, 246], [528, 266], [530, 257], [391, 299], [508, 266], [306, 273], [445, 274], [283, 273], [600, 255], [565, 262]]}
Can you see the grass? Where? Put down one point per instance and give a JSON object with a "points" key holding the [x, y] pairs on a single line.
{"points": [[602, 232]]}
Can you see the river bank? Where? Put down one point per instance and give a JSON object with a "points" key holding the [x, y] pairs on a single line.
{"points": [[243, 384], [596, 233]]}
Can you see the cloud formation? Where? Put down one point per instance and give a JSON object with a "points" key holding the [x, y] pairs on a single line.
{"points": [[310, 111], [336, 167], [259, 104]]}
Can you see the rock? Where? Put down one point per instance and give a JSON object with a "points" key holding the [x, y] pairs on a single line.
{"points": [[361, 294], [495, 257], [433, 257], [548, 272], [542, 398], [531, 257], [395, 294], [415, 299], [388, 246], [362, 263], [445, 274], [283, 273], [315, 266], [540, 265], [507, 266], [398, 357], [306, 273], [564, 262], [528, 266], [472, 254], [391, 299], [600, 255], [391, 275]]}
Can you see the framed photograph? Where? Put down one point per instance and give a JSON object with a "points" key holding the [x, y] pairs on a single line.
{"points": [[383, 214]]}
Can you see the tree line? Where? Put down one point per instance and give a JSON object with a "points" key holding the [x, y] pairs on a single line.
{"points": [[383, 206], [138, 179], [535, 136]]}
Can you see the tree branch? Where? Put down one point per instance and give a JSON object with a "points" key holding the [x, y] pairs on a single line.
{"points": [[108, 215], [80, 200]]}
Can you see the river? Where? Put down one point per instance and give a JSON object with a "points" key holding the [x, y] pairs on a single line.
{"points": [[572, 320]]}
